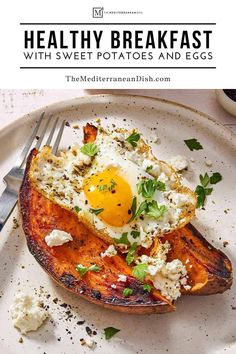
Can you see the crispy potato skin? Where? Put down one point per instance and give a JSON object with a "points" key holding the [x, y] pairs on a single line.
{"points": [[40, 216], [209, 269]]}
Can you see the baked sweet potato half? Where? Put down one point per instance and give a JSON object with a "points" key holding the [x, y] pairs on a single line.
{"points": [[209, 270], [40, 216]]}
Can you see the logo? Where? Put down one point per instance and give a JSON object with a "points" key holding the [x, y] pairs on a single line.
{"points": [[97, 12]]}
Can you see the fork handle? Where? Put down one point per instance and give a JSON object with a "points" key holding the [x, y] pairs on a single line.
{"points": [[8, 201]]}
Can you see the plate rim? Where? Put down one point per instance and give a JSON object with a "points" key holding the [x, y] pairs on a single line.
{"points": [[8, 126]]}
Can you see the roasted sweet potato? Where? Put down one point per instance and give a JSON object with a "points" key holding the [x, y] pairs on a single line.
{"points": [[40, 216], [209, 269]]}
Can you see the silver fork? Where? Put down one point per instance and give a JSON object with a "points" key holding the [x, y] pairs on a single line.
{"points": [[14, 177]]}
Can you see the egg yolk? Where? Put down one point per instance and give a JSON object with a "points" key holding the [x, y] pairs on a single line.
{"points": [[109, 191]]}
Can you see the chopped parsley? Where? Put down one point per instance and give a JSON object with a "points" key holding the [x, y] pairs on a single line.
{"points": [[149, 168], [123, 239], [110, 332], [131, 254], [83, 270], [156, 211], [203, 190], [215, 178], [151, 209], [133, 139], [96, 211], [135, 234], [193, 144], [141, 209], [77, 209], [205, 180], [140, 271], [147, 287], [112, 186], [102, 187], [89, 149], [147, 187], [127, 292]]}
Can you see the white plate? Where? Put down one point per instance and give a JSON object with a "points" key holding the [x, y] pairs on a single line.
{"points": [[200, 324]]}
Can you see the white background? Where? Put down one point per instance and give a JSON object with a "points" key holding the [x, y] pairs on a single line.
{"points": [[14, 12]]}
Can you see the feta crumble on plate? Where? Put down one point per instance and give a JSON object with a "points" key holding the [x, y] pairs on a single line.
{"points": [[27, 313]]}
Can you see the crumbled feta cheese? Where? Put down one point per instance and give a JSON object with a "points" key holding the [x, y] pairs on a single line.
{"points": [[145, 238], [113, 286], [166, 276], [27, 313], [83, 159], [88, 342], [122, 278], [57, 238], [208, 163], [163, 177], [109, 252], [178, 162], [192, 159], [155, 171], [154, 138], [187, 287]]}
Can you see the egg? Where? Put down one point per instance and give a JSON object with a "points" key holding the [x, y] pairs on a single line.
{"points": [[117, 187]]}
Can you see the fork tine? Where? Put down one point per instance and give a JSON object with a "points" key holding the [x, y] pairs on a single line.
{"points": [[39, 142], [27, 147], [58, 139], [52, 132]]}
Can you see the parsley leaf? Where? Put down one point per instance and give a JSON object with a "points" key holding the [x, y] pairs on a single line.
{"points": [[102, 187], [215, 178], [127, 292], [141, 209], [149, 168], [201, 196], [89, 149], [96, 211], [202, 191], [135, 234], [205, 180], [110, 332], [83, 270], [156, 211], [193, 144], [147, 187], [140, 271], [147, 287], [130, 255], [133, 139], [77, 209], [112, 186], [123, 239], [208, 191]]}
